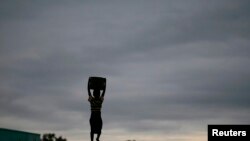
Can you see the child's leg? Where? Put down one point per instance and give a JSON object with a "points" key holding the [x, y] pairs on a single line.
{"points": [[92, 136]]}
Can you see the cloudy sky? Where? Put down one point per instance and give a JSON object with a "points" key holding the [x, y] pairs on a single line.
{"points": [[172, 67]]}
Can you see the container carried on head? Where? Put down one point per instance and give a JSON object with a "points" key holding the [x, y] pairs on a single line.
{"points": [[97, 83]]}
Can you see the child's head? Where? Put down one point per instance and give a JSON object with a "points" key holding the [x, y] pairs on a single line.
{"points": [[96, 93]]}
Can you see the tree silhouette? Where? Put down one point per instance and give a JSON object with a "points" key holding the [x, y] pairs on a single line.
{"points": [[60, 139], [52, 137], [48, 137]]}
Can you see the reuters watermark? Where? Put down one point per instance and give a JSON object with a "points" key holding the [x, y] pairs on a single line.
{"points": [[236, 132]]}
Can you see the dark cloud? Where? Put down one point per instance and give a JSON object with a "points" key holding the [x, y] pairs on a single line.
{"points": [[172, 66]]}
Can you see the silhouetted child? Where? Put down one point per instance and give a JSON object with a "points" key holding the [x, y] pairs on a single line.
{"points": [[95, 118]]}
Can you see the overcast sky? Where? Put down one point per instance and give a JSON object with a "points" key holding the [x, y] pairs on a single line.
{"points": [[172, 66]]}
